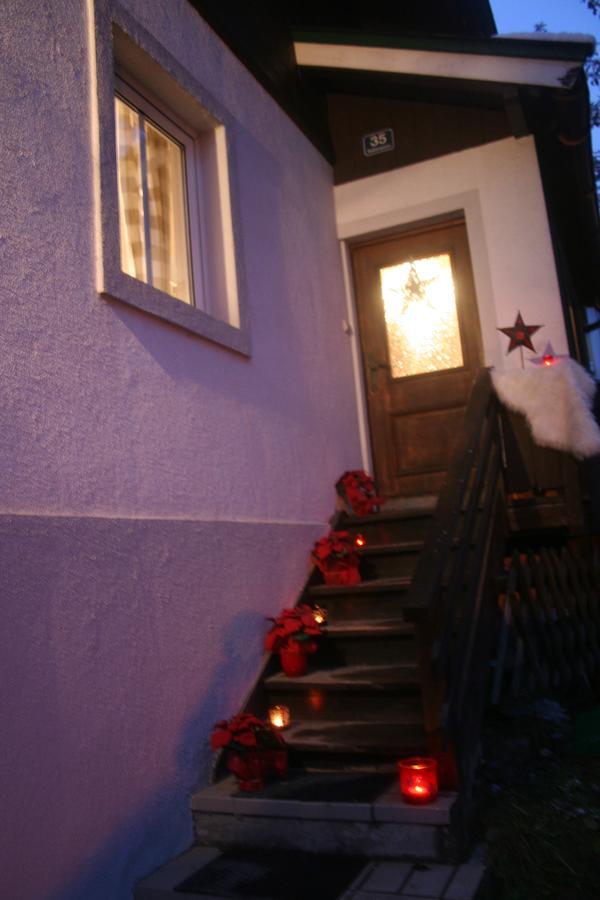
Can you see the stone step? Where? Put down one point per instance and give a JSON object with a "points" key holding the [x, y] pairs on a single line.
{"points": [[348, 738], [324, 813]]}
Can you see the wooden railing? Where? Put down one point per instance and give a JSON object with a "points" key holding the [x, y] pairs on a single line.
{"points": [[455, 586]]}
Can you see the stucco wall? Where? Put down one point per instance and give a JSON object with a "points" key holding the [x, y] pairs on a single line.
{"points": [[159, 493], [498, 187]]}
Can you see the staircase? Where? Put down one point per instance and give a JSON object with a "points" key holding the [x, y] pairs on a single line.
{"points": [[353, 715], [402, 670], [360, 704]]}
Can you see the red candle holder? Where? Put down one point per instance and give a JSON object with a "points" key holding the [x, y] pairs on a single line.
{"points": [[418, 779]]}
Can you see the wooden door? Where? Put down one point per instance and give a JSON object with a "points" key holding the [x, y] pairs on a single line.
{"points": [[421, 351]]}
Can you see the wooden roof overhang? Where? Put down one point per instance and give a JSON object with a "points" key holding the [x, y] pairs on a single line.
{"points": [[541, 85], [441, 51]]}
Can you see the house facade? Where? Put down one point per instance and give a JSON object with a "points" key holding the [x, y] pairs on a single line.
{"points": [[183, 376]]}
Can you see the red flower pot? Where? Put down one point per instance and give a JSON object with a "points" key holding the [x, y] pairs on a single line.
{"points": [[248, 769], [342, 575], [276, 761], [294, 660]]}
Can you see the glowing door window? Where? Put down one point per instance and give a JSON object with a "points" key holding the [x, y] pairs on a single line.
{"points": [[419, 305]]}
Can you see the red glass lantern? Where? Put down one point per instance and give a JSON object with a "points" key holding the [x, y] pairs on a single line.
{"points": [[418, 779]]}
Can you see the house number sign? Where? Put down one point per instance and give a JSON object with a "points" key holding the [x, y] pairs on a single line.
{"points": [[378, 142]]}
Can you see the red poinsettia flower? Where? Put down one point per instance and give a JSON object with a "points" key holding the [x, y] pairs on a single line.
{"points": [[358, 489], [293, 625], [338, 546], [243, 733], [221, 736]]}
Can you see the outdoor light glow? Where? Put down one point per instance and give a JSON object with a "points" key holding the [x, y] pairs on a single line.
{"points": [[279, 716], [421, 321], [418, 779], [316, 700]]}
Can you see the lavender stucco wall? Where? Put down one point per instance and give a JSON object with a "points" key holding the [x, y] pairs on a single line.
{"points": [[159, 493]]}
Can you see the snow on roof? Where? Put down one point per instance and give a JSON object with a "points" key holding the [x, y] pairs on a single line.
{"points": [[565, 36]]}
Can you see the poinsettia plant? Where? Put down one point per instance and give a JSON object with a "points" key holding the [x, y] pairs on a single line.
{"points": [[358, 490], [245, 733], [337, 546], [297, 625]]}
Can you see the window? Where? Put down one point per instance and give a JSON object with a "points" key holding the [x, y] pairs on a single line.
{"points": [[169, 245], [154, 184]]}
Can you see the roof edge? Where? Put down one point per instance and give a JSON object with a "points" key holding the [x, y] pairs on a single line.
{"points": [[572, 51]]}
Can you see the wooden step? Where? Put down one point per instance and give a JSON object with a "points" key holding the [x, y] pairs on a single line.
{"points": [[390, 525], [362, 644], [380, 598], [366, 678], [392, 627], [387, 739], [317, 703], [392, 560]]}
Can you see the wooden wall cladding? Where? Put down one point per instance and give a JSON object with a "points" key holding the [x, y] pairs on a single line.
{"points": [[421, 131]]}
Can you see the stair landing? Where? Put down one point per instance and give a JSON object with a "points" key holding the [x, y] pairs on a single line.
{"points": [[348, 813]]}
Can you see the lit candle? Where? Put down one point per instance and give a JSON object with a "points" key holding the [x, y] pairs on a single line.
{"points": [[320, 614], [418, 779], [548, 360], [279, 717], [359, 541]]}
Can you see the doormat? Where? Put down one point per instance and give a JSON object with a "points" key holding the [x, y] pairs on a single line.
{"points": [[274, 875]]}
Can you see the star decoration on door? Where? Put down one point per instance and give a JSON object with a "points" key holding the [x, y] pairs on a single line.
{"points": [[520, 334]]}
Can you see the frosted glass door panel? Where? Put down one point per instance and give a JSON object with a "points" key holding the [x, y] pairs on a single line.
{"points": [[420, 316]]}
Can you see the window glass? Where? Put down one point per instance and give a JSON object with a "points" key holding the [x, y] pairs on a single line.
{"points": [[420, 316], [167, 214], [131, 204], [153, 224]]}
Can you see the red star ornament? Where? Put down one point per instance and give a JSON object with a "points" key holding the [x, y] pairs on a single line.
{"points": [[520, 334]]}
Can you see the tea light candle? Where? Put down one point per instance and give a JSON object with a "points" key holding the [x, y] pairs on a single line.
{"points": [[279, 717], [320, 614], [418, 779]]}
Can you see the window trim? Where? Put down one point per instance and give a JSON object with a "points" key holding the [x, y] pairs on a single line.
{"points": [[124, 47]]}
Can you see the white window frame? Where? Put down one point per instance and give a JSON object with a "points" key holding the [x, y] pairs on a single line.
{"points": [[169, 95]]}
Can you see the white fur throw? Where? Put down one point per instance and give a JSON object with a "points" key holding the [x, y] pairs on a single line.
{"points": [[556, 401]]}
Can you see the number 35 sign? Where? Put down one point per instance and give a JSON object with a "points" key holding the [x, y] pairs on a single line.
{"points": [[378, 142]]}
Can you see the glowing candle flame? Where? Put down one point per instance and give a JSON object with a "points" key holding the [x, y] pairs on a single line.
{"points": [[279, 717], [320, 614], [418, 779], [549, 360], [359, 541]]}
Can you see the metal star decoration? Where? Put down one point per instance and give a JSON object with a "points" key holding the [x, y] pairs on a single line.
{"points": [[520, 334]]}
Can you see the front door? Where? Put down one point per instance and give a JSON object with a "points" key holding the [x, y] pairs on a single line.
{"points": [[421, 351]]}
